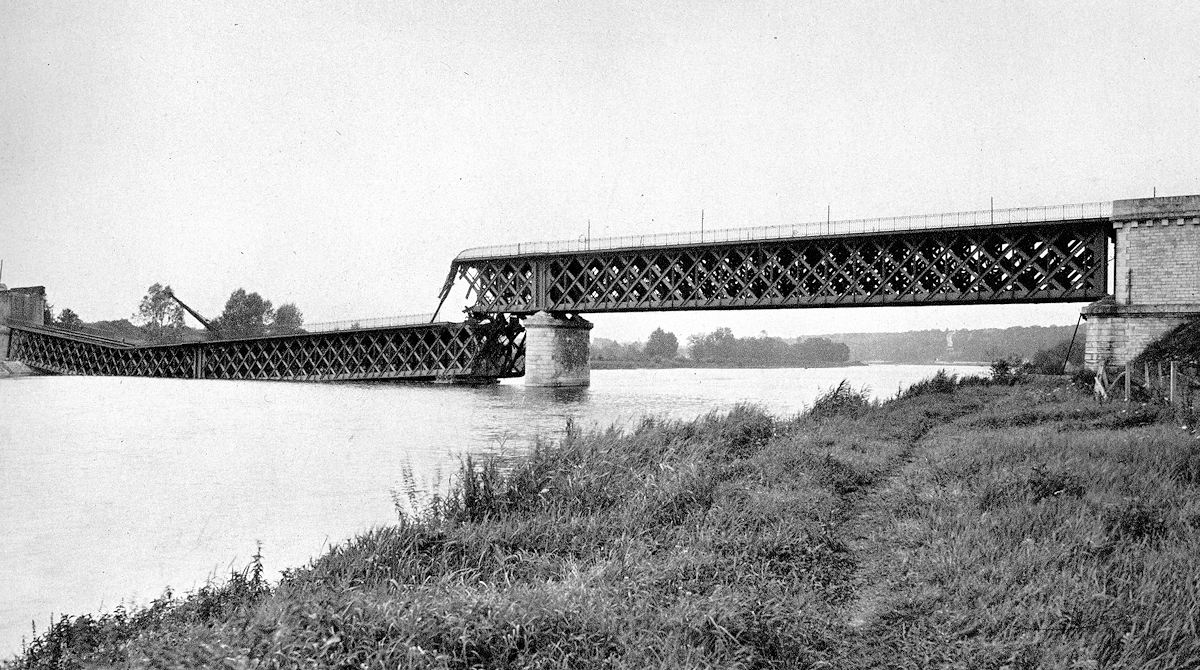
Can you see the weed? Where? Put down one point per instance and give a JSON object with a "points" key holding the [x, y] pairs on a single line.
{"points": [[741, 432], [1185, 467], [1136, 520], [997, 495], [1043, 484]]}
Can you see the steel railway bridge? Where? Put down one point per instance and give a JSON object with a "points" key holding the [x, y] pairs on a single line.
{"points": [[1040, 254]]}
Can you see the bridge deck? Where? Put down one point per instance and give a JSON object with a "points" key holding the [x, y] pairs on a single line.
{"points": [[1042, 254], [470, 351]]}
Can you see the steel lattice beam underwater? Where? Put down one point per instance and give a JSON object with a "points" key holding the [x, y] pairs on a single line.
{"points": [[471, 351]]}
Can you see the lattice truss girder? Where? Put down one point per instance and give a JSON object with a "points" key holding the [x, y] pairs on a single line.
{"points": [[1016, 264], [435, 351]]}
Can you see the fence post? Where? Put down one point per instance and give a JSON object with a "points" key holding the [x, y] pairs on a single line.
{"points": [[1149, 387], [1128, 370], [1173, 397]]}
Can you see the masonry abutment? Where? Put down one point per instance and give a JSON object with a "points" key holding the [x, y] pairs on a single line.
{"points": [[557, 350], [1156, 285], [21, 305], [18, 305]]}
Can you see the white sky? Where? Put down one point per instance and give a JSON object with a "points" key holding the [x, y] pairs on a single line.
{"points": [[339, 155]]}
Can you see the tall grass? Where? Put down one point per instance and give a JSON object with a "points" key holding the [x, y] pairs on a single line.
{"points": [[957, 525]]}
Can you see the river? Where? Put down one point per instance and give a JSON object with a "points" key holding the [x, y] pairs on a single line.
{"points": [[115, 488]]}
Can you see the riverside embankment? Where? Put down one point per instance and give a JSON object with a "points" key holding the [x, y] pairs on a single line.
{"points": [[956, 526]]}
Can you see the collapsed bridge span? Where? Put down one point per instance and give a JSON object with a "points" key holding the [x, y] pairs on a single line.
{"points": [[474, 351]]}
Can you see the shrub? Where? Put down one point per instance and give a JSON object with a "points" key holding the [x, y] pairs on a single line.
{"points": [[1006, 373], [1051, 361], [842, 399], [1084, 379], [938, 383]]}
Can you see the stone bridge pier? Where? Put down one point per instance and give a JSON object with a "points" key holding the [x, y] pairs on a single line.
{"points": [[20, 305], [556, 350], [1157, 278]]}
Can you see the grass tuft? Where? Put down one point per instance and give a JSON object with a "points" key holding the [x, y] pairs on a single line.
{"points": [[1044, 483]]}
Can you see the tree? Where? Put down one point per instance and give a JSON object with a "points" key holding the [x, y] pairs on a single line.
{"points": [[662, 344], [715, 346], [245, 315], [161, 317], [67, 318], [1051, 361], [288, 319], [604, 349]]}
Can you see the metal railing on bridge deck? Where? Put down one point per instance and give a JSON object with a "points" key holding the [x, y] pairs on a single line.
{"points": [[108, 337], [364, 324], [972, 219], [80, 333]]}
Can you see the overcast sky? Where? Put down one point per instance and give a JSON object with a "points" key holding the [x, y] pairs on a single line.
{"points": [[339, 155]]}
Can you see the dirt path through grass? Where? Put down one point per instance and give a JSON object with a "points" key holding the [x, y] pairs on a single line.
{"points": [[870, 511]]}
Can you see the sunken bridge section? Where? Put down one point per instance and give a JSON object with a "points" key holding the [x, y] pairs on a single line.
{"points": [[469, 352], [1041, 254]]}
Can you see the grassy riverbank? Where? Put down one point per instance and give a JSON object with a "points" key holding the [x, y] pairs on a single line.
{"points": [[958, 526]]}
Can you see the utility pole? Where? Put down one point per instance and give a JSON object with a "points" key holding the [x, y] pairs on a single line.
{"points": [[701, 224]]}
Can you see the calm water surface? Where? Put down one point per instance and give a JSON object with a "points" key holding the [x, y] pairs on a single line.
{"points": [[115, 488]]}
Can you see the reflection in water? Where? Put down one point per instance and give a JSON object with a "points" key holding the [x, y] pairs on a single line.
{"points": [[564, 396], [128, 485]]}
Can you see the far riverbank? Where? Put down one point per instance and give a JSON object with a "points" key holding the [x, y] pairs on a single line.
{"points": [[685, 363]]}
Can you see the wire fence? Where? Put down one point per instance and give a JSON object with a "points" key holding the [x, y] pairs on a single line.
{"points": [[972, 219], [1172, 382]]}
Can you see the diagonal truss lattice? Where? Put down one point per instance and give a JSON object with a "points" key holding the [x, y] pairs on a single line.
{"points": [[1032, 263], [436, 351]]}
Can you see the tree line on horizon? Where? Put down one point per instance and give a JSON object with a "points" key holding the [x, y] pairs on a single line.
{"points": [[1016, 343], [1045, 347], [160, 319], [722, 347]]}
